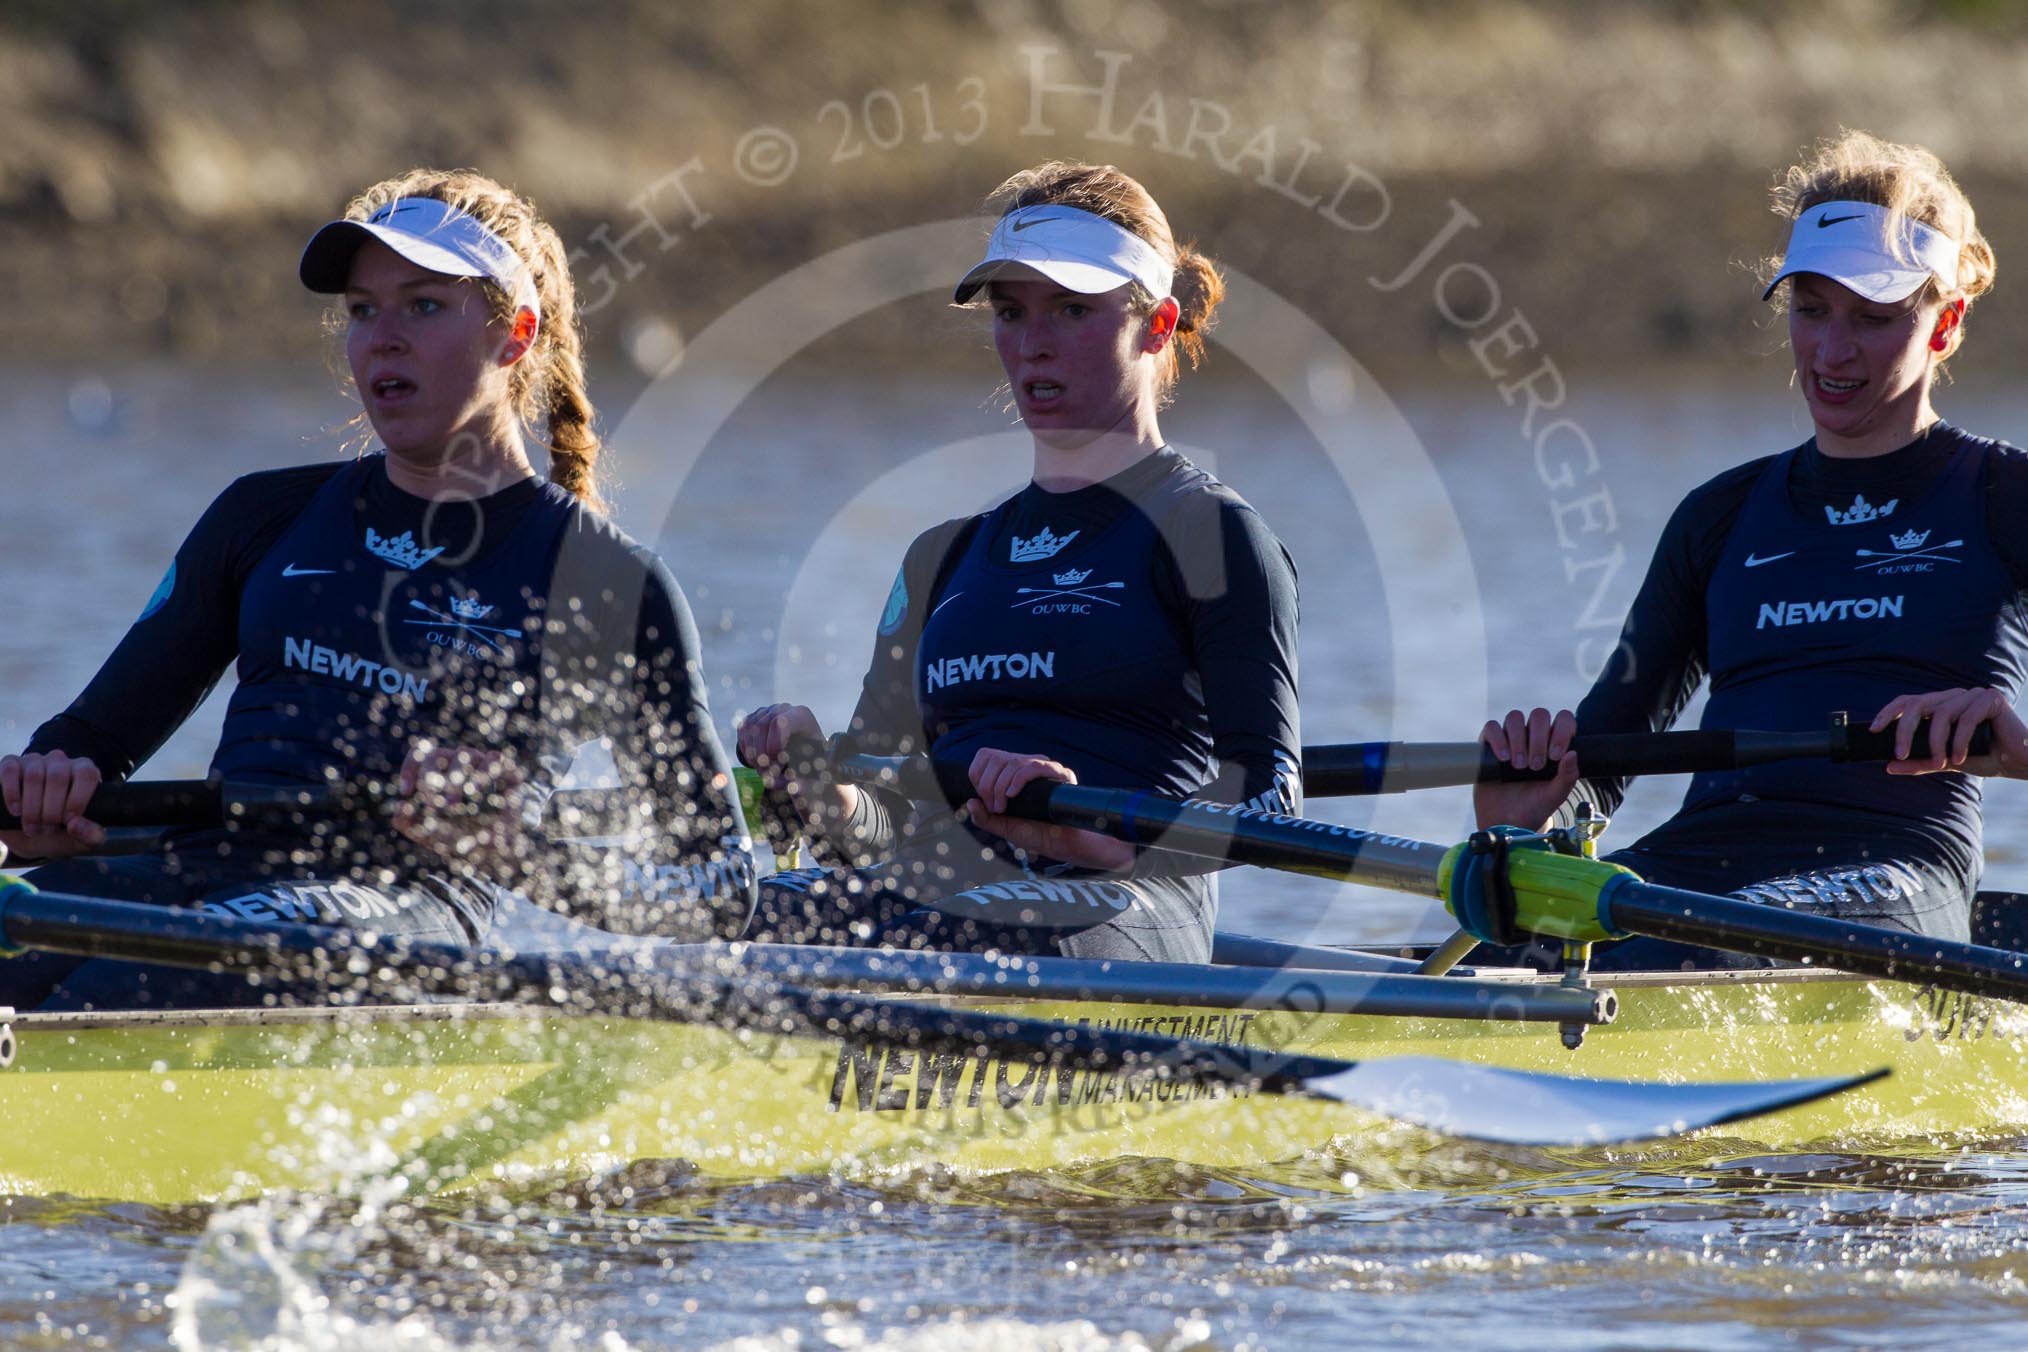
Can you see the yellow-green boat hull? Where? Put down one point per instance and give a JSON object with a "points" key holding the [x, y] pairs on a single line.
{"points": [[223, 1105]]}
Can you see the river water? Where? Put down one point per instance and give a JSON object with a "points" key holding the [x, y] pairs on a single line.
{"points": [[1448, 570]]}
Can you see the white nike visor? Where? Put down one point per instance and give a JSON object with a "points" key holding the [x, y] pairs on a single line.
{"points": [[429, 234], [1075, 249], [1881, 256]]}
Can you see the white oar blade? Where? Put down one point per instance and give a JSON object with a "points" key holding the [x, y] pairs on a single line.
{"points": [[1519, 1107]]}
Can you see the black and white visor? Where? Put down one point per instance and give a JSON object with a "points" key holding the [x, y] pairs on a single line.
{"points": [[1879, 255], [1073, 248]]}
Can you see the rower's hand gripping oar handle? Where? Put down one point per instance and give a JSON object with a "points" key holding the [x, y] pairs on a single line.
{"points": [[1360, 768], [1856, 742], [156, 805], [918, 778], [210, 802], [1363, 768]]}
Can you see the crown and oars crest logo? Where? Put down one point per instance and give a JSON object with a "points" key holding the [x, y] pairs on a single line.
{"points": [[463, 617], [1912, 553], [1071, 578]]}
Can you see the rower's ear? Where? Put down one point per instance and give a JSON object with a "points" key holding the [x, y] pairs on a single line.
{"points": [[521, 336], [1948, 320], [1161, 325]]}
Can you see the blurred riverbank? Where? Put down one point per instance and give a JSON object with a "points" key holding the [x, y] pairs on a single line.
{"points": [[1601, 170]]}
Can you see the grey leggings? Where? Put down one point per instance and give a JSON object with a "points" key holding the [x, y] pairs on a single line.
{"points": [[917, 900]]}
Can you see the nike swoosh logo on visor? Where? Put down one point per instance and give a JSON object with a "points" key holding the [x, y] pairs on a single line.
{"points": [[1754, 561], [1019, 226], [1823, 221]]}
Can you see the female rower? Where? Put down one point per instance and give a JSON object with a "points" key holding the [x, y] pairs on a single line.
{"points": [[434, 622], [1883, 555], [1125, 620]]}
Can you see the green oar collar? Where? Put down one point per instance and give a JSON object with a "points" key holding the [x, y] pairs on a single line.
{"points": [[9, 884], [1505, 884]]}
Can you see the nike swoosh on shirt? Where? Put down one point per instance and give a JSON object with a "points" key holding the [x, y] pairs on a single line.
{"points": [[1754, 561], [946, 601], [293, 571], [1823, 221]]}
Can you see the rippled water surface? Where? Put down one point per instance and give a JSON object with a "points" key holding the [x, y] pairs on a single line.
{"points": [[1707, 1250], [785, 529]]}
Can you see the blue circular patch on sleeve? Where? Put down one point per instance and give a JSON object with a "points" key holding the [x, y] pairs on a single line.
{"points": [[161, 596], [897, 606]]}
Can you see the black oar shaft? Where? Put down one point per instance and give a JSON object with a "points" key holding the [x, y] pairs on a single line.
{"points": [[1292, 844], [1324, 850], [1301, 846], [181, 937], [1173, 984], [1798, 936], [707, 992]]}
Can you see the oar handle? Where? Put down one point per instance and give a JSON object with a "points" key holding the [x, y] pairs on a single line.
{"points": [[1396, 767], [1329, 771], [210, 802], [1360, 768], [159, 802], [1861, 743]]}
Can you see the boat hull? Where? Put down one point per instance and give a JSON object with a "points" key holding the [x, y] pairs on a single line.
{"points": [[209, 1106]]}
